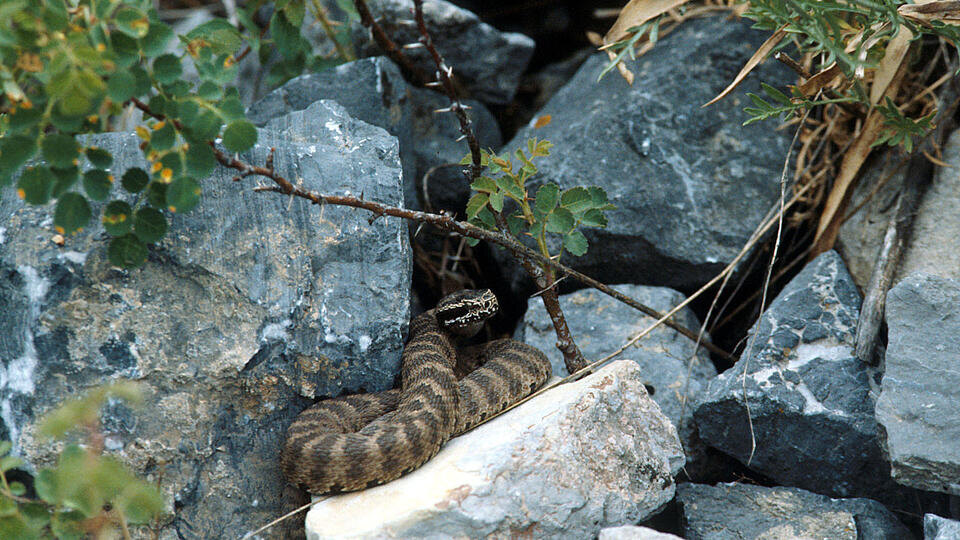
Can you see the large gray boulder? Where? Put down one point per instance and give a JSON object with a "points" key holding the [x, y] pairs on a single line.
{"points": [[811, 402], [753, 512], [582, 456], [919, 406], [373, 90], [940, 528], [252, 301], [486, 61], [690, 184]]}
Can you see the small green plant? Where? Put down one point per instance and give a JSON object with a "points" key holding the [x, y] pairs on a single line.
{"points": [[551, 211], [87, 493]]}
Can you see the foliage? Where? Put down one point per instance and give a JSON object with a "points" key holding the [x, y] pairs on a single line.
{"points": [[552, 211], [86, 493], [70, 67]]}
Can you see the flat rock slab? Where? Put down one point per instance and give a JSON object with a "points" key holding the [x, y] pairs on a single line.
{"points": [[634, 532], [582, 456], [690, 184], [939, 528], [601, 324], [749, 512], [251, 301], [919, 406], [810, 400]]}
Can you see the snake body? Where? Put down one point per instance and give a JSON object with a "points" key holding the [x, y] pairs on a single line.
{"points": [[354, 442]]}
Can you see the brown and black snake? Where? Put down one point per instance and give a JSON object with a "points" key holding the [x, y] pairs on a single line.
{"points": [[354, 442]]}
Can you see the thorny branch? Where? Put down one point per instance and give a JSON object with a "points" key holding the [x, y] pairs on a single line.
{"points": [[387, 45]]}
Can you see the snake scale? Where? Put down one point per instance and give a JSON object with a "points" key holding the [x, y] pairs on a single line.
{"points": [[354, 442]]}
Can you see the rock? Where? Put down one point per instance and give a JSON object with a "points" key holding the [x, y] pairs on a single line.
{"points": [[931, 246], [600, 325], [252, 300], [487, 62], [744, 511], [580, 457], [919, 406], [633, 532], [810, 399], [373, 90], [690, 184], [938, 528]]}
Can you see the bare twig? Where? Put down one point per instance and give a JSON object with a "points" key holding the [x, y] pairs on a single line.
{"points": [[284, 517], [918, 177], [389, 47]]}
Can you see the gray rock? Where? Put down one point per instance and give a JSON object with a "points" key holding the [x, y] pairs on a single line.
{"points": [[810, 399], [581, 456], [938, 528], [251, 301], [690, 183], [600, 325], [487, 62], [373, 90], [747, 512], [931, 246], [919, 406], [633, 532]]}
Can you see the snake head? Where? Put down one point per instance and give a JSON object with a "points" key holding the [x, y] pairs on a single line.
{"points": [[464, 312]]}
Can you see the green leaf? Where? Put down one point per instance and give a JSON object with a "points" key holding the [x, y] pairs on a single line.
{"points": [[64, 179], [167, 68], [547, 197], [205, 127], [155, 42], [97, 184], [486, 217], [10, 462], [163, 138], [472, 242], [60, 150], [117, 218], [23, 118], [18, 489], [560, 221], [183, 194], [496, 201], [127, 252], [200, 160], [135, 179], [576, 199], [15, 150], [476, 203], [14, 526], [209, 91], [286, 36], [121, 86], [239, 135], [219, 35], [598, 198], [45, 484], [157, 195], [99, 157], [575, 243], [68, 526], [516, 224], [35, 185], [484, 184], [132, 22], [149, 225], [594, 218], [72, 213], [509, 185], [141, 502], [776, 94], [5, 447]]}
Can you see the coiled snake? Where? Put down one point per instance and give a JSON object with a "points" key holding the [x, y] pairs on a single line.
{"points": [[353, 442]]}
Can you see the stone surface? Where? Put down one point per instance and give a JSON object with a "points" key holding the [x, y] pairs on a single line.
{"points": [[582, 456], [747, 512], [938, 528], [252, 300], [931, 247], [634, 532], [601, 324], [373, 90], [487, 62], [810, 399], [690, 184], [919, 406]]}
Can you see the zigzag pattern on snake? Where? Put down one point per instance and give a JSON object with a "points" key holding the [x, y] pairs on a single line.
{"points": [[354, 442]]}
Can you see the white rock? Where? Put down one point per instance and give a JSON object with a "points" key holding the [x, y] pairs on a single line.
{"points": [[582, 456], [634, 532]]}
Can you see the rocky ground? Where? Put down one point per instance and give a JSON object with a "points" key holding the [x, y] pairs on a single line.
{"points": [[255, 305]]}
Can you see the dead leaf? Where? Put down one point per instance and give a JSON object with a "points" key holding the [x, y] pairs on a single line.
{"points": [[890, 64], [818, 81], [758, 56], [947, 12], [832, 215], [635, 13]]}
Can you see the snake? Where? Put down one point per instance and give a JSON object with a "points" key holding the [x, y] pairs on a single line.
{"points": [[357, 441]]}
